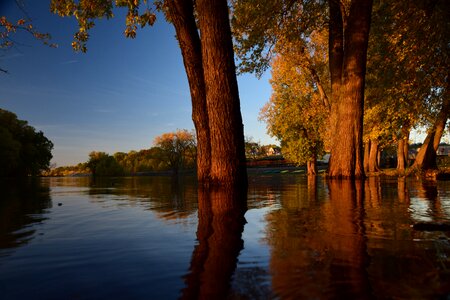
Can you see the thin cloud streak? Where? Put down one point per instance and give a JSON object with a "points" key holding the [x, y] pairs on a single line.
{"points": [[69, 62]]}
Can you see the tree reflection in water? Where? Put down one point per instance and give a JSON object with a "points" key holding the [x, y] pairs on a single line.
{"points": [[22, 203], [219, 234], [321, 246], [348, 241]]}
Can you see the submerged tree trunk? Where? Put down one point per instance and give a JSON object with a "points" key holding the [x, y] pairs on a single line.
{"points": [[209, 64], [401, 160], [222, 97], [181, 14], [311, 166], [336, 55], [426, 158], [402, 150], [366, 156], [373, 157], [346, 147]]}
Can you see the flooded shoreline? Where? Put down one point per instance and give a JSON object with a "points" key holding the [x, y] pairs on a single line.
{"points": [[153, 237]]}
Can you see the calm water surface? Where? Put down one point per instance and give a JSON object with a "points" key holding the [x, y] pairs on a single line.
{"points": [[157, 238]]}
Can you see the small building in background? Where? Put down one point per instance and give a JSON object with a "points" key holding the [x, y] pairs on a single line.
{"points": [[443, 150]]}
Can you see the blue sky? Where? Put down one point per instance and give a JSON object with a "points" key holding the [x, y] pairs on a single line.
{"points": [[116, 97]]}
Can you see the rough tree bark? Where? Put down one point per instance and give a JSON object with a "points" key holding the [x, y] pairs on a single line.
{"points": [[181, 14], [209, 64], [222, 96], [426, 158], [347, 80]]}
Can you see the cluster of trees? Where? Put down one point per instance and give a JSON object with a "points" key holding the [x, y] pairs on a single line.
{"points": [[319, 52], [321, 95], [23, 151], [173, 151]]}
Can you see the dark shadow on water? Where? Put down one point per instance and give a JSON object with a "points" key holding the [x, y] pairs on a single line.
{"points": [[23, 203], [219, 234]]}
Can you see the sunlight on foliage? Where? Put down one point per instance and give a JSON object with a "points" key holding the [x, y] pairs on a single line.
{"points": [[139, 13]]}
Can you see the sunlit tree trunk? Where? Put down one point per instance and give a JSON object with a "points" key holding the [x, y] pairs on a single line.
{"points": [[426, 158], [222, 97], [181, 14], [311, 165], [336, 56], [401, 160], [373, 157], [366, 156], [347, 147]]}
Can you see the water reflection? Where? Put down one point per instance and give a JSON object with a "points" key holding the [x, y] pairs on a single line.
{"points": [[426, 205], [320, 246], [220, 225], [357, 242], [22, 204], [172, 198], [305, 238]]}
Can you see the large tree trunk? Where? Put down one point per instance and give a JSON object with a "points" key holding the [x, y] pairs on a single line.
{"points": [[222, 96], [336, 56], [426, 158], [347, 147], [181, 14]]}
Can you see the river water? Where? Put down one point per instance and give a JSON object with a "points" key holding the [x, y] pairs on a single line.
{"points": [[161, 238]]}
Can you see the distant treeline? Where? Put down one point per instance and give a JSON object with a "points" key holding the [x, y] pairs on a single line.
{"points": [[174, 151]]}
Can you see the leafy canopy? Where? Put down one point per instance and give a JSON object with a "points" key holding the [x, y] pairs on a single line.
{"points": [[139, 13], [23, 151]]}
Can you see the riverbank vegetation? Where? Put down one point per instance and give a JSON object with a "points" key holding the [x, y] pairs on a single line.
{"points": [[327, 97], [23, 150], [172, 152], [351, 78]]}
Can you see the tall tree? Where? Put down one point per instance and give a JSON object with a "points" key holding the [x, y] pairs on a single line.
{"points": [[349, 24], [181, 14], [297, 112], [209, 66], [426, 158], [428, 26], [348, 42], [222, 96], [408, 75]]}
